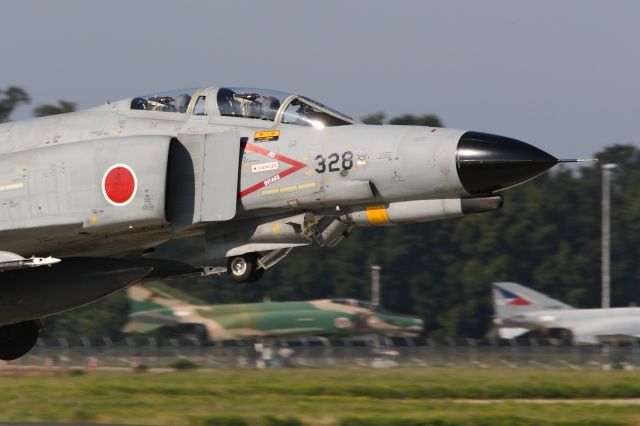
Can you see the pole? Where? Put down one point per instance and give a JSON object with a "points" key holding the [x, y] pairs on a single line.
{"points": [[375, 285], [606, 235]]}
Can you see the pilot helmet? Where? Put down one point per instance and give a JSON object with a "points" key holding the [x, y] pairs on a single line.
{"points": [[226, 102]]}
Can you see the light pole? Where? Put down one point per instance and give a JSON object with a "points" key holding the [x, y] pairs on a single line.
{"points": [[375, 285], [606, 235]]}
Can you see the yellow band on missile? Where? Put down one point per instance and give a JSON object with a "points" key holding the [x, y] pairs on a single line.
{"points": [[377, 214]]}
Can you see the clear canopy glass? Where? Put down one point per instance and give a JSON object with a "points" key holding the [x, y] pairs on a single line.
{"points": [[277, 106], [172, 101], [252, 103]]}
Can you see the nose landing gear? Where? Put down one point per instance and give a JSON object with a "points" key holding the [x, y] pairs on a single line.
{"points": [[245, 268]]}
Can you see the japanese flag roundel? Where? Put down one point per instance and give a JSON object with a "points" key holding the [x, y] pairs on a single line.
{"points": [[119, 184], [342, 322]]}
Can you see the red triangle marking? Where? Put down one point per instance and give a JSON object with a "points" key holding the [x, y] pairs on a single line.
{"points": [[295, 166]]}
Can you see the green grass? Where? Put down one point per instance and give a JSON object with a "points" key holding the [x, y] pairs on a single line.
{"points": [[346, 397]]}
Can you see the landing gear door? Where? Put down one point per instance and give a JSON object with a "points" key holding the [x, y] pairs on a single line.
{"points": [[221, 165]]}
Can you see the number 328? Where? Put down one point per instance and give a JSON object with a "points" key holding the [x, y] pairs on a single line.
{"points": [[332, 162]]}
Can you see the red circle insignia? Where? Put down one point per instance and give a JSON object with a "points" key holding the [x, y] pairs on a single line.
{"points": [[119, 184], [342, 322]]}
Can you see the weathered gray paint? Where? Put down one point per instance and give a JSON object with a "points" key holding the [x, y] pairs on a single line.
{"points": [[220, 176]]}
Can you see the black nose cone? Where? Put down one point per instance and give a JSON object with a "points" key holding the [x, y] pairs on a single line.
{"points": [[489, 163]]}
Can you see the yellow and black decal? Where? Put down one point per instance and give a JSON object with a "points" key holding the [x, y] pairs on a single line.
{"points": [[268, 136]]}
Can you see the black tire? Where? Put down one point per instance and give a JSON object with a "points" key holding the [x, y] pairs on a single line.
{"points": [[17, 339], [243, 268], [257, 274]]}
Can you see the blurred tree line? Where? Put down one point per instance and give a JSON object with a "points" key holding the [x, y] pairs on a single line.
{"points": [[546, 236], [13, 97]]}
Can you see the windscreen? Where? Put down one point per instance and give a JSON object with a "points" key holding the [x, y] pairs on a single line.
{"points": [[305, 112]]}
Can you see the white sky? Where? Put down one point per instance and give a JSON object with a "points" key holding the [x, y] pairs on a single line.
{"points": [[562, 75]]}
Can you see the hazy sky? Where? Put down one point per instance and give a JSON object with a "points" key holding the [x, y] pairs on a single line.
{"points": [[562, 75]]}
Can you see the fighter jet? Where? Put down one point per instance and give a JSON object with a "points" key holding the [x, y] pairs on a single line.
{"points": [[520, 309], [157, 306], [254, 172]]}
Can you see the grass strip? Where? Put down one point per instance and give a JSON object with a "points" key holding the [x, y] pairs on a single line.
{"points": [[322, 397]]}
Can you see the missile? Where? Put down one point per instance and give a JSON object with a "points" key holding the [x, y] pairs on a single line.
{"points": [[34, 262], [10, 260]]}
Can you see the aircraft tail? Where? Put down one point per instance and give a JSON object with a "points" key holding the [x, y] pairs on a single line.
{"points": [[510, 299], [153, 305], [157, 293]]}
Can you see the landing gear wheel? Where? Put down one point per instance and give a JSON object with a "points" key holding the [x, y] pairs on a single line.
{"points": [[244, 268], [17, 339], [257, 274]]}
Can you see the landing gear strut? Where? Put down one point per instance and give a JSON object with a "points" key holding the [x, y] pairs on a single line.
{"points": [[245, 268]]}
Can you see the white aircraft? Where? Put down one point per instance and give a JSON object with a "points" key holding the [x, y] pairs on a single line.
{"points": [[519, 309]]}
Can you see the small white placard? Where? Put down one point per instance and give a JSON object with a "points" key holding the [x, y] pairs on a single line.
{"points": [[257, 168]]}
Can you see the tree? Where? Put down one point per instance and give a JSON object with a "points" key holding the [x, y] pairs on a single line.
{"points": [[48, 109], [375, 118], [430, 120], [10, 99]]}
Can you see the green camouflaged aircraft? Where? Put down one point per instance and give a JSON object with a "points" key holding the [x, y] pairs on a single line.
{"points": [[157, 305]]}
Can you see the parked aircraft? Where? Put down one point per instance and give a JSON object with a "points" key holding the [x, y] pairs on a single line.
{"points": [[255, 172], [520, 309], [157, 306]]}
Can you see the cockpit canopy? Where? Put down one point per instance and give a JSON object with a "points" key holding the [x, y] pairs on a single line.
{"points": [[357, 304], [250, 103], [277, 106], [173, 101]]}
